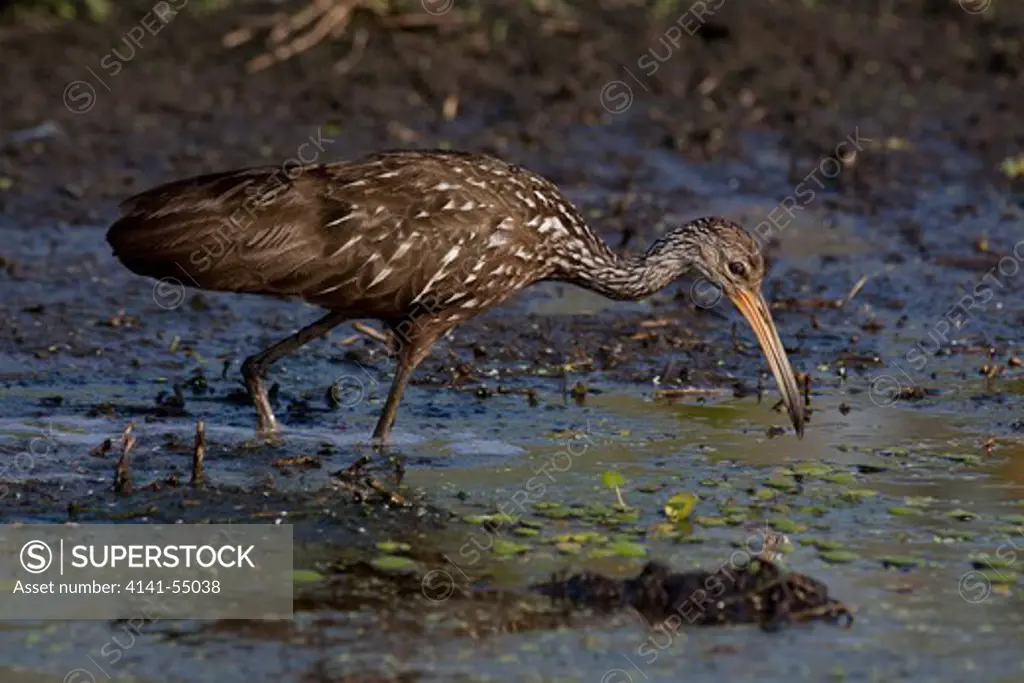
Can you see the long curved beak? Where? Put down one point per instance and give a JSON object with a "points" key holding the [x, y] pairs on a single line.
{"points": [[754, 308]]}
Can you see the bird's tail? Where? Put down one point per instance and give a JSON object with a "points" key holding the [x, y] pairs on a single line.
{"points": [[219, 232]]}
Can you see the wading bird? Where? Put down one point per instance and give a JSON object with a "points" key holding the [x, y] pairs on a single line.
{"points": [[420, 240]]}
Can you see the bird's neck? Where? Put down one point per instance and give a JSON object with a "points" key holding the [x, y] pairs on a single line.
{"points": [[631, 277]]}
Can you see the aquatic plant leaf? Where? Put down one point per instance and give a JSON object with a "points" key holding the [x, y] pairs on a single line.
{"points": [[680, 506], [306, 576], [620, 549], [612, 479], [988, 561], [900, 561], [394, 564], [393, 547], [709, 521], [787, 526], [838, 556], [904, 511], [503, 548]]}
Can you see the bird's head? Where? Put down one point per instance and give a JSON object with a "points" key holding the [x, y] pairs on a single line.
{"points": [[726, 258]]}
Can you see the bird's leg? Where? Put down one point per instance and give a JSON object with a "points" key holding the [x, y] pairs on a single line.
{"points": [[255, 367], [413, 348]]}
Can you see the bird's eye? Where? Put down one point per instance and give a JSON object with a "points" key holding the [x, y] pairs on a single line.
{"points": [[737, 269]]}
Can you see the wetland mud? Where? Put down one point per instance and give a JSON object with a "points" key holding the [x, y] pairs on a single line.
{"points": [[758, 592], [559, 433]]}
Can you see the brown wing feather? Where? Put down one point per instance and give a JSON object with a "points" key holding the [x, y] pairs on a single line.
{"points": [[376, 237], [226, 231]]}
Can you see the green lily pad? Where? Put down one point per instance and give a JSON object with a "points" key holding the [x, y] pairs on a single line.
{"points": [[765, 494], [580, 537], [1002, 577], [680, 506], [620, 549], [966, 458], [838, 556], [691, 540], [525, 531], [546, 506], [962, 515], [904, 511], [569, 548], [306, 576], [504, 548], [664, 530], [495, 518], [558, 513], [782, 483], [812, 469], [393, 547], [1012, 519], [900, 561], [840, 478], [986, 561], [954, 535], [857, 495], [1012, 167], [822, 543], [709, 521], [625, 516], [594, 510], [787, 526], [394, 564]]}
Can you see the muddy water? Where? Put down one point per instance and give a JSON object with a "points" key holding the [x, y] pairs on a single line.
{"points": [[888, 499]]}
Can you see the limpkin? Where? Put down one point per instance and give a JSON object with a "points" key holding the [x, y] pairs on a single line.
{"points": [[419, 240]]}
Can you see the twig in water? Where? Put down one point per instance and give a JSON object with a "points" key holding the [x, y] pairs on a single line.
{"points": [[856, 288], [198, 475], [123, 470]]}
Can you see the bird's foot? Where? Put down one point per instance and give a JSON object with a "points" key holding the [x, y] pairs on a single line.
{"points": [[380, 446], [357, 473], [359, 465], [269, 438]]}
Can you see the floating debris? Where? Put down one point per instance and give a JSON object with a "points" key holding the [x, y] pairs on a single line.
{"points": [[103, 449], [760, 593], [304, 461]]}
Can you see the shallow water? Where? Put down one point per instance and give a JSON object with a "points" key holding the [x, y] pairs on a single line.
{"points": [[894, 483]]}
